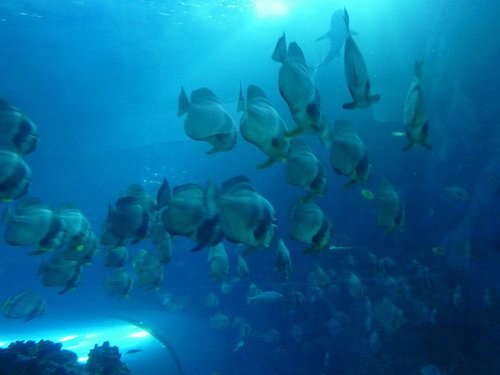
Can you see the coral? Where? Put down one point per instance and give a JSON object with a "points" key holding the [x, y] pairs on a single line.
{"points": [[42, 358], [47, 358], [105, 360]]}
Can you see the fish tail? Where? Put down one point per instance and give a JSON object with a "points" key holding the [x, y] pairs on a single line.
{"points": [[346, 20], [266, 164], [419, 68], [183, 103], [279, 53]]}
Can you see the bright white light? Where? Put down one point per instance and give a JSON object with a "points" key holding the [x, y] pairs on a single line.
{"points": [[3, 343], [83, 359], [67, 338], [140, 334], [271, 8]]}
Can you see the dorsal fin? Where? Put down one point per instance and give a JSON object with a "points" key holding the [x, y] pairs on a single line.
{"points": [[295, 52], [255, 92], [241, 180], [203, 94]]}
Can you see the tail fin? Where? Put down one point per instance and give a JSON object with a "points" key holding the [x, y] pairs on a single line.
{"points": [[346, 20], [279, 53], [419, 68]]}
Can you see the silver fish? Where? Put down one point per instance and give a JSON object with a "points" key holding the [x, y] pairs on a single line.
{"points": [[415, 115], [356, 73], [297, 87], [262, 125], [207, 120], [348, 155]]}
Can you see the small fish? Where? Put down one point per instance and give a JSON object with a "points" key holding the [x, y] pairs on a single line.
{"points": [[133, 351], [219, 262], [337, 248], [439, 250], [367, 194], [269, 296], [348, 155], [303, 169], [283, 260], [390, 212], [308, 223], [415, 116], [398, 134]]}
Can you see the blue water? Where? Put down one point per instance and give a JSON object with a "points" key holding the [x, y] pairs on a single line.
{"points": [[101, 81]]}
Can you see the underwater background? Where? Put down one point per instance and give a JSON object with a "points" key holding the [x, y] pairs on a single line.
{"points": [[101, 81]]}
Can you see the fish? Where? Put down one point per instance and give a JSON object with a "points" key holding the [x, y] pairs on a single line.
{"points": [[33, 224], [207, 120], [77, 227], [82, 250], [127, 221], [148, 270], [17, 132], [439, 250], [348, 155], [457, 193], [390, 210], [297, 88], [193, 212], [415, 115], [118, 283], [246, 217], [115, 257], [242, 267], [367, 194], [309, 224], [262, 126], [56, 271], [356, 73], [133, 351], [303, 169], [219, 262], [74, 281], [283, 260], [15, 176], [219, 321], [164, 195], [163, 241], [336, 36], [269, 296], [24, 305]]}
